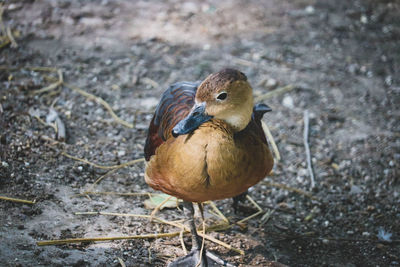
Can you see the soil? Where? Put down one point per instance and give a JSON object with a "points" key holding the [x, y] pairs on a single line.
{"points": [[342, 57]]}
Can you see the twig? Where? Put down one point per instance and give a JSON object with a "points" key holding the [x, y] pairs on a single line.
{"points": [[217, 211], [278, 91], [51, 86], [182, 242], [265, 218], [271, 141], [3, 28], [11, 37], [154, 212], [77, 89], [178, 225], [149, 250], [101, 166], [212, 239], [260, 210], [121, 262], [101, 102], [291, 189], [307, 148], [33, 68], [58, 124], [111, 193], [97, 239], [17, 200]]}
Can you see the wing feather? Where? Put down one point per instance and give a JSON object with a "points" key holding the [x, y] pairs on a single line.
{"points": [[176, 102]]}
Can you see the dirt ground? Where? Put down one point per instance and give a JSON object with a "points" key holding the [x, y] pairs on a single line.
{"points": [[342, 57]]}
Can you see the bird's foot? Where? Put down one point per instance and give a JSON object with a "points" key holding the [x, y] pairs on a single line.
{"points": [[193, 259]]}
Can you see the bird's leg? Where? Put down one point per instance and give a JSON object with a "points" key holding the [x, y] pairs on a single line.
{"points": [[237, 199], [188, 209], [193, 258]]}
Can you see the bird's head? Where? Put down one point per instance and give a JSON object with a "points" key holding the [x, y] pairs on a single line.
{"points": [[225, 95]]}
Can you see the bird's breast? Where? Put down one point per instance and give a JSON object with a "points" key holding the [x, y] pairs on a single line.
{"points": [[211, 163]]}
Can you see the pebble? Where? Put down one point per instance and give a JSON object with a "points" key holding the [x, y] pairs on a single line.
{"points": [[288, 102], [121, 153], [364, 19], [271, 83], [355, 189], [366, 234], [4, 164], [310, 9]]}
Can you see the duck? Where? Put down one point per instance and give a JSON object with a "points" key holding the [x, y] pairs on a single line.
{"points": [[206, 142]]}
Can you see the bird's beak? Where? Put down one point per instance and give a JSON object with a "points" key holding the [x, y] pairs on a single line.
{"points": [[192, 121]]}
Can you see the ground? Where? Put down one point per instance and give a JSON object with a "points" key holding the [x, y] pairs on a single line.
{"points": [[342, 58]]}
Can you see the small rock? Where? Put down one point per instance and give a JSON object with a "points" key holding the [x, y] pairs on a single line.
{"points": [[355, 189], [364, 19], [310, 10], [4, 164], [288, 102], [271, 83], [108, 62], [121, 153], [366, 234]]}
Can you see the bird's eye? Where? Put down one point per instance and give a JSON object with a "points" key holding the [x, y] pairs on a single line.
{"points": [[222, 96]]}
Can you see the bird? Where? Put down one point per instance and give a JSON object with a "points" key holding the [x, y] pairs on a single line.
{"points": [[206, 142]]}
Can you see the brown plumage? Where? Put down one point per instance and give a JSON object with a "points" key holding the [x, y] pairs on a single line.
{"points": [[219, 149]]}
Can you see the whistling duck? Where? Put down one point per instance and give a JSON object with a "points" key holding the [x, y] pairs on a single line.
{"points": [[206, 142]]}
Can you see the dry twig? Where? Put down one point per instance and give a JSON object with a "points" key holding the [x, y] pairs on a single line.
{"points": [[154, 212], [54, 119], [271, 141], [111, 193], [218, 212], [307, 148], [101, 102], [123, 165], [176, 224], [17, 200], [260, 210], [11, 38], [97, 239], [182, 242], [52, 86], [2, 27], [121, 262], [61, 82], [278, 91]]}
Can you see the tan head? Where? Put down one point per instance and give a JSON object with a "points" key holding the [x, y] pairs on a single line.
{"points": [[225, 95]]}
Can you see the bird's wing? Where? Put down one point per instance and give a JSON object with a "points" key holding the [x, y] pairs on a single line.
{"points": [[175, 104]]}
